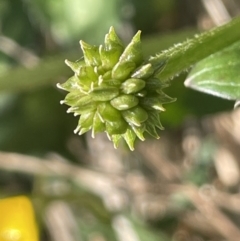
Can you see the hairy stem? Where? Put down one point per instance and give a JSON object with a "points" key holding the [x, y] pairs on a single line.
{"points": [[182, 56]]}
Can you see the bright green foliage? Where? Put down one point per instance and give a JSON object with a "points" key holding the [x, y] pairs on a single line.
{"points": [[115, 91], [218, 74]]}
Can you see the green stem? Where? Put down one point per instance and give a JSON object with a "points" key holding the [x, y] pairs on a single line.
{"points": [[46, 72], [182, 56]]}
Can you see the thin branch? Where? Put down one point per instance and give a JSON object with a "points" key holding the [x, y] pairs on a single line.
{"points": [[95, 182], [22, 55]]}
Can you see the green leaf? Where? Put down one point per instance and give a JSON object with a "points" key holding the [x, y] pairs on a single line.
{"points": [[218, 74]]}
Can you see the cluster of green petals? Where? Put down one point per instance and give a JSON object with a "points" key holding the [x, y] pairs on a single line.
{"points": [[114, 90]]}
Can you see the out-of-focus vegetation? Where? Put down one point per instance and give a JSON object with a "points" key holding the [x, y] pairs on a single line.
{"points": [[182, 187]]}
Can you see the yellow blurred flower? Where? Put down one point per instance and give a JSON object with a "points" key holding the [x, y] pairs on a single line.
{"points": [[17, 220]]}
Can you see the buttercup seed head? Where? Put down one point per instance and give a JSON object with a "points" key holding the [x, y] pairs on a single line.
{"points": [[115, 91]]}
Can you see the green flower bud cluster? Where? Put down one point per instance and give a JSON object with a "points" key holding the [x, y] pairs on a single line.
{"points": [[115, 91]]}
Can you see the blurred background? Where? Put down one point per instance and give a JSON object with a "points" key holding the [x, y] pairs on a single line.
{"points": [[183, 187]]}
